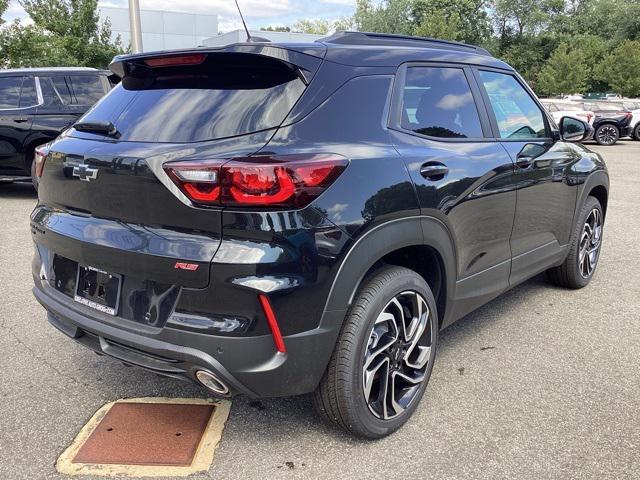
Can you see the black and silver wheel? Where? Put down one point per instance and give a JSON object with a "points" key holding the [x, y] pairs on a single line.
{"points": [[584, 249], [384, 355], [607, 134], [636, 132], [590, 241]]}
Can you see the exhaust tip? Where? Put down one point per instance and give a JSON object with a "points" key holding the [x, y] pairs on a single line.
{"points": [[212, 382]]}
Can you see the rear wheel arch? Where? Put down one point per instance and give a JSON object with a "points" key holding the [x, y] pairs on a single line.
{"points": [[422, 244]]}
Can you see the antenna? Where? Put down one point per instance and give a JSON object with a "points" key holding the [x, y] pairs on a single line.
{"points": [[243, 22]]}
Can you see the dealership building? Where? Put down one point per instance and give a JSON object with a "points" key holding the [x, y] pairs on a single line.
{"points": [[162, 30]]}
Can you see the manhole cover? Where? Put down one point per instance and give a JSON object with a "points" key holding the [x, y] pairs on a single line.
{"points": [[147, 437]]}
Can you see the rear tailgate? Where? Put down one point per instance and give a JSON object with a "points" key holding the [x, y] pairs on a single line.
{"points": [[104, 200]]}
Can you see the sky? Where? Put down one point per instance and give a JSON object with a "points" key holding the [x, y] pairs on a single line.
{"points": [[258, 13]]}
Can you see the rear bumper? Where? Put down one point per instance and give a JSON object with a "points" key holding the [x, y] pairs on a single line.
{"points": [[626, 131], [248, 365]]}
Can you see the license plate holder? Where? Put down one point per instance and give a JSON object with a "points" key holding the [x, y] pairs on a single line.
{"points": [[98, 289]]}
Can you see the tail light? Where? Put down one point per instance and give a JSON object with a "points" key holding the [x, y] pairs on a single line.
{"points": [[40, 156], [291, 181], [176, 60]]}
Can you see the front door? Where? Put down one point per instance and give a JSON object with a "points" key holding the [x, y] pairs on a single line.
{"points": [[463, 177], [545, 196]]}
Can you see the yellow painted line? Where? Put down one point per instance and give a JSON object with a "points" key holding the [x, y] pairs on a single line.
{"points": [[202, 460]]}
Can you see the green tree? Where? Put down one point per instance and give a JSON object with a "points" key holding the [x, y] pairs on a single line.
{"points": [[463, 20], [564, 72], [621, 69], [4, 4], [390, 16], [63, 33], [316, 26], [275, 29]]}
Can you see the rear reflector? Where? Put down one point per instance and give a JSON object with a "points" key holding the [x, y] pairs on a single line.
{"points": [[176, 60], [40, 156], [273, 323], [291, 181]]}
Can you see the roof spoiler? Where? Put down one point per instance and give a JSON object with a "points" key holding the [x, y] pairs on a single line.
{"points": [[305, 58]]}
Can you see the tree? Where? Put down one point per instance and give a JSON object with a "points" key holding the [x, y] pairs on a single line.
{"points": [[275, 29], [621, 68], [463, 20], [390, 16], [4, 4], [564, 72], [317, 26], [63, 33]]}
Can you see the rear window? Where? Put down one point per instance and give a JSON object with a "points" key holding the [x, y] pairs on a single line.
{"points": [[229, 94]]}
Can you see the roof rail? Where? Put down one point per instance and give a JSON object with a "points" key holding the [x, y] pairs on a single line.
{"points": [[393, 40]]}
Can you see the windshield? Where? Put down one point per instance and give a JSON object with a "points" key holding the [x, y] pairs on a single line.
{"points": [[229, 94]]}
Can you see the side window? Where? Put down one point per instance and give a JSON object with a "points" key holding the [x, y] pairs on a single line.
{"points": [[10, 92], [50, 94], [87, 89], [61, 86], [28, 94], [518, 116], [437, 101]]}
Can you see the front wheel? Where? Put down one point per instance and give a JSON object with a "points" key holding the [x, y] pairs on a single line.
{"points": [[584, 248], [384, 356], [607, 134]]}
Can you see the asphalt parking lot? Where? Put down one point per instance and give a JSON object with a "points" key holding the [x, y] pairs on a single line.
{"points": [[541, 383]]}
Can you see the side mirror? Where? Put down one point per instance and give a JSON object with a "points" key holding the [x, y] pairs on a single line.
{"points": [[573, 130]]}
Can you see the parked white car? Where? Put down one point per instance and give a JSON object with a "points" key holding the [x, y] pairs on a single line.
{"points": [[633, 105], [565, 108]]}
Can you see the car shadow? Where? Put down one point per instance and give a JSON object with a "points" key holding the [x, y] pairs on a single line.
{"points": [[18, 190]]}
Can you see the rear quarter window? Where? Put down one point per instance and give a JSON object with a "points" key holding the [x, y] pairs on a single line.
{"points": [[86, 89], [228, 95]]}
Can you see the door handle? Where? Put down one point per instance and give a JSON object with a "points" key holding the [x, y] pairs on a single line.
{"points": [[433, 171], [20, 119], [524, 161]]}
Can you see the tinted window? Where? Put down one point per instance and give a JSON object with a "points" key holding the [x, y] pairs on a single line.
{"points": [[28, 94], [86, 89], [438, 102], [51, 97], [518, 116], [10, 92], [228, 95], [63, 90]]}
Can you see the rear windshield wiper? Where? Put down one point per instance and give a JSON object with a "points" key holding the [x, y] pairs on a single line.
{"points": [[106, 128]]}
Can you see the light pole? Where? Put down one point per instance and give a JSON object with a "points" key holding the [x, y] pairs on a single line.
{"points": [[136, 30]]}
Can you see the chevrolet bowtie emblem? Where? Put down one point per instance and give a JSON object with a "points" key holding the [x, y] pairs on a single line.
{"points": [[85, 173]]}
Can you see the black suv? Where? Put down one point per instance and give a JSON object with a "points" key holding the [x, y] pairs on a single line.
{"points": [[278, 219], [36, 104]]}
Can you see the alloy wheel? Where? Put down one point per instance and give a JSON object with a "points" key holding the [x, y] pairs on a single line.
{"points": [[397, 355], [590, 241], [607, 135]]}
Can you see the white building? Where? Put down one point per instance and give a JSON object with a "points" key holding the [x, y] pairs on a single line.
{"points": [[239, 36], [162, 30]]}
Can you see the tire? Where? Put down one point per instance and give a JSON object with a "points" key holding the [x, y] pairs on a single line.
{"points": [[607, 134], [575, 271], [636, 132], [340, 397]]}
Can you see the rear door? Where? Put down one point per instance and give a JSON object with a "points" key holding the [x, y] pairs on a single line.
{"points": [[546, 196], [462, 176], [18, 100]]}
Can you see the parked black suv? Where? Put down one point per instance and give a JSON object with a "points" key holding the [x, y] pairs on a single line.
{"points": [[36, 104], [611, 123], [278, 219]]}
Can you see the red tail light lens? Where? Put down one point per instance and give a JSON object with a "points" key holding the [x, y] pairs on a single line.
{"points": [[176, 60], [40, 156], [291, 181]]}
